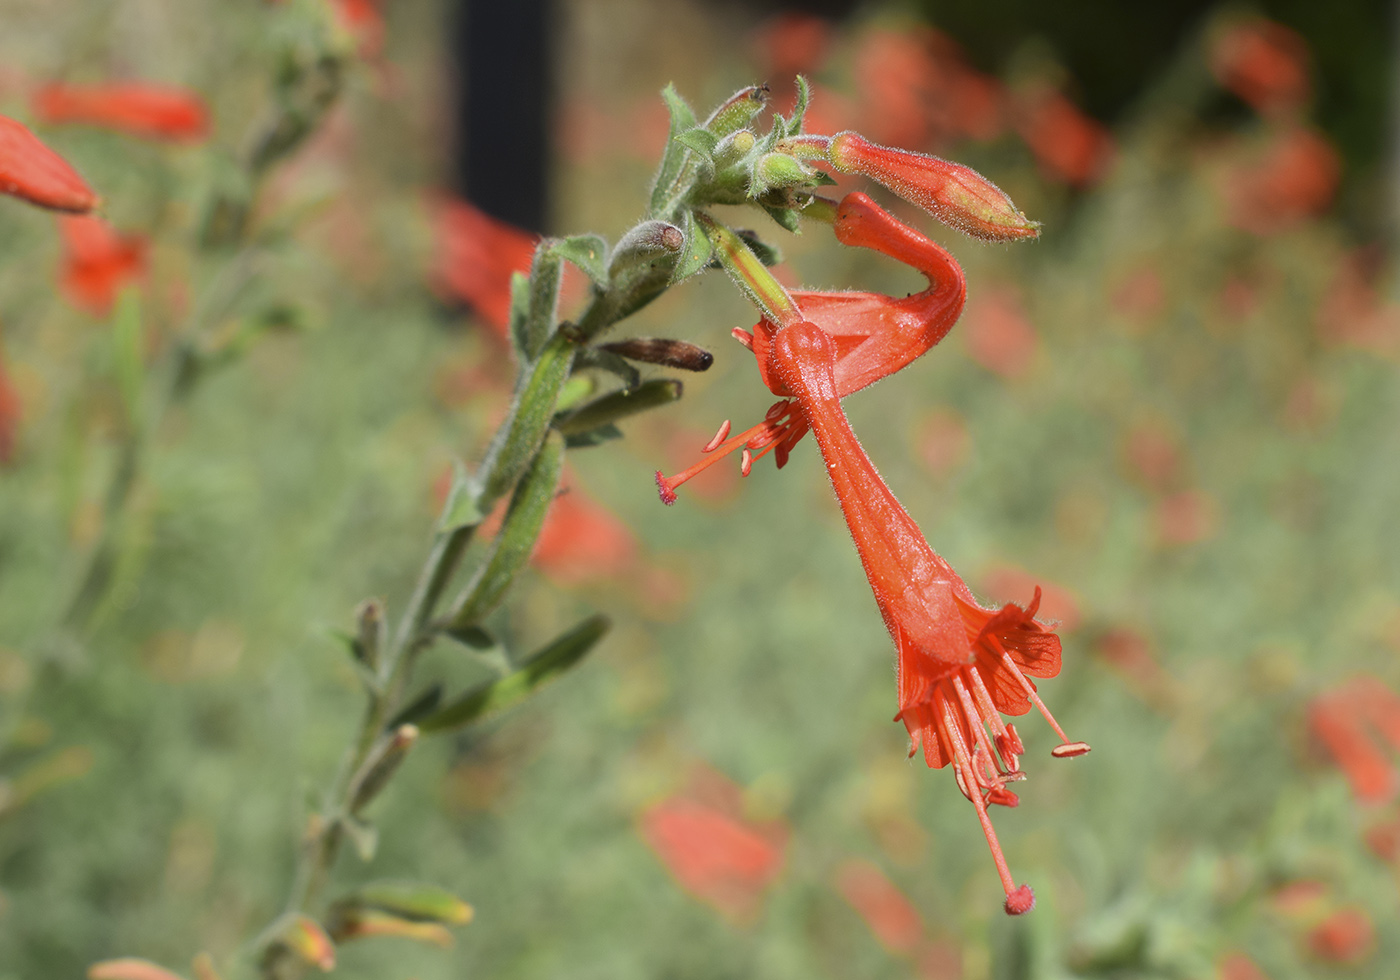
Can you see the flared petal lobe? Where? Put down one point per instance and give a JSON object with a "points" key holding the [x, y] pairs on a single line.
{"points": [[32, 172]]}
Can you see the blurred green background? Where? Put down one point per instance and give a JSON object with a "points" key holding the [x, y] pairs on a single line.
{"points": [[1177, 412]]}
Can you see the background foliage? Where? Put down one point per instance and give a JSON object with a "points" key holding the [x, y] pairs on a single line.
{"points": [[1184, 428]]}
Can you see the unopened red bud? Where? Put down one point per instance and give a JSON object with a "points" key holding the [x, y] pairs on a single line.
{"points": [[958, 196], [32, 172]]}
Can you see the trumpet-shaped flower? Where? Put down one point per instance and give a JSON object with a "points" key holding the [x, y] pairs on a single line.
{"points": [[875, 335], [32, 172], [961, 665]]}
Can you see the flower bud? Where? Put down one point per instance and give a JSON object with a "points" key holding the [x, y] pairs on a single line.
{"points": [[383, 761], [956, 195], [734, 148], [738, 110], [779, 170]]}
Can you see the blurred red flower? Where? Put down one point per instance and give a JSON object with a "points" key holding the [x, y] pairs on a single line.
{"points": [[476, 255], [1264, 63], [145, 109], [362, 20], [11, 411], [1347, 936], [32, 172], [1000, 336], [889, 915], [1294, 180], [1349, 721], [1070, 147], [1238, 966], [98, 262], [582, 540], [714, 853]]}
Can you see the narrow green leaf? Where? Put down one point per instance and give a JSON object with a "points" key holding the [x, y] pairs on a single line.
{"points": [[461, 509], [545, 277], [602, 360], [787, 217], [538, 669], [519, 313], [701, 140], [588, 252], [593, 437], [425, 704], [577, 388], [474, 637], [128, 361], [682, 119], [411, 900], [697, 251], [620, 404], [516, 539], [518, 441]]}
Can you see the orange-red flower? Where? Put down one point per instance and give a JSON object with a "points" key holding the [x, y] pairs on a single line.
{"points": [[1346, 936], [875, 335], [11, 410], [1264, 63], [1350, 721], [362, 20], [145, 109], [97, 262], [1295, 179], [713, 852], [476, 255], [961, 665], [888, 913], [32, 172], [1070, 147]]}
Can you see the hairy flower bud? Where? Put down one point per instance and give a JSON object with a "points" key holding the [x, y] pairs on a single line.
{"points": [[956, 195], [32, 172]]}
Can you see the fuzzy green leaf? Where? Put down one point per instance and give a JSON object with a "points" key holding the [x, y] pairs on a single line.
{"points": [[697, 251], [619, 405], [682, 119], [699, 139], [588, 252]]}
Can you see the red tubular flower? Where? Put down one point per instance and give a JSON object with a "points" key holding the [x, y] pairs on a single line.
{"points": [[956, 195], [875, 335], [32, 172], [144, 109], [1348, 720], [97, 262], [1264, 63], [887, 911], [476, 255], [961, 665]]}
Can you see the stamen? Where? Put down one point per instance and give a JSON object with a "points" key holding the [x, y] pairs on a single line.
{"points": [[742, 336], [1069, 750], [720, 436], [667, 485], [974, 722], [1008, 883], [1002, 796], [664, 487], [746, 463], [1040, 705], [1005, 746]]}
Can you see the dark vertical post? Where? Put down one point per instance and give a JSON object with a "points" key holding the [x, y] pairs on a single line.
{"points": [[503, 102]]}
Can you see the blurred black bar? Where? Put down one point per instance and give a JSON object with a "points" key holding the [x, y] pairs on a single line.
{"points": [[503, 108]]}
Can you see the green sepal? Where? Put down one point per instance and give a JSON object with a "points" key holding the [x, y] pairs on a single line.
{"points": [[701, 140], [619, 405], [588, 252], [518, 441], [602, 360], [410, 900], [532, 673], [516, 539], [425, 704], [593, 437], [682, 119], [128, 362], [697, 251]]}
